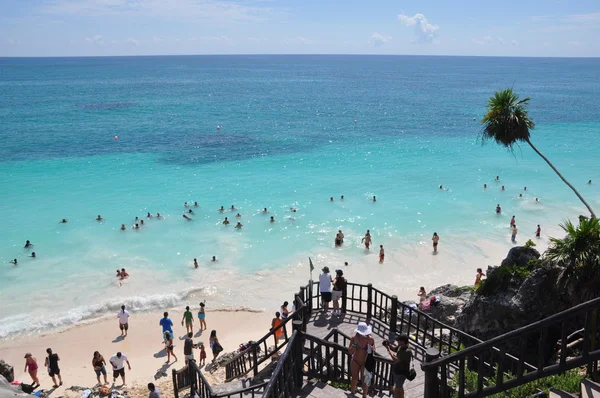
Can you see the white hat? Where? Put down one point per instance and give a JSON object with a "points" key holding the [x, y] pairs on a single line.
{"points": [[363, 329]]}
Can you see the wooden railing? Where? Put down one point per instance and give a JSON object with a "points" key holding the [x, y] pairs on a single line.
{"points": [[258, 353], [447, 376], [287, 377]]}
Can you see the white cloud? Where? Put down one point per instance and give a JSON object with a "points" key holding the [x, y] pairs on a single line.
{"points": [[424, 30], [377, 39], [97, 39], [132, 41]]}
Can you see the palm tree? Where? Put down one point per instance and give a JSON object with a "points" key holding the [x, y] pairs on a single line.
{"points": [[507, 122]]}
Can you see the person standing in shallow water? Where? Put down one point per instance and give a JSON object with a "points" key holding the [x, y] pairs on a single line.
{"points": [[435, 240], [513, 236], [381, 254], [339, 238], [367, 240], [512, 221]]}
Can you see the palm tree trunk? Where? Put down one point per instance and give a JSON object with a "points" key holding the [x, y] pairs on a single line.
{"points": [[562, 178]]}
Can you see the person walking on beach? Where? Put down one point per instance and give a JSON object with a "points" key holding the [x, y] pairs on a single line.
{"points": [[123, 316], [381, 254], [188, 317], [188, 348], [154, 393], [31, 366], [277, 331], [339, 289], [325, 288], [512, 221], [169, 347], [435, 240], [167, 326], [367, 240], [402, 358], [538, 231], [214, 345], [98, 363], [118, 365], [478, 276], [360, 346], [513, 236], [51, 363], [202, 317]]}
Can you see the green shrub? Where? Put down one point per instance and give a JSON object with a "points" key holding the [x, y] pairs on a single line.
{"points": [[530, 243], [502, 278]]}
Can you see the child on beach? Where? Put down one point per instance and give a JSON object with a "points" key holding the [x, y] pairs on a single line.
{"points": [[189, 320], [202, 317], [202, 355], [381, 254]]}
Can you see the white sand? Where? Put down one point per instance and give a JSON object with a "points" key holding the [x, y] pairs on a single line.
{"points": [[143, 346]]}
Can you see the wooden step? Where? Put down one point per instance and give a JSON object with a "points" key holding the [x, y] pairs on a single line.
{"points": [[590, 389], [559, 394]]}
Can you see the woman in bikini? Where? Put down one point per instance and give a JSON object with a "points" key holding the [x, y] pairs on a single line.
{"points": [[31, 366], [360, 345]]}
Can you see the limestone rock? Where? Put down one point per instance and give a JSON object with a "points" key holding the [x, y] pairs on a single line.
{"points": [[7, 390], [7, 371]]}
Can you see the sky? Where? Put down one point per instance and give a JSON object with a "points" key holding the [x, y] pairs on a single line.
{"points": [[540, 28]]}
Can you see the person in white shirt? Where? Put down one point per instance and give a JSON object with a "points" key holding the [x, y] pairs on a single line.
{"points": [[118, 364], [123, 316], [325, 282]]}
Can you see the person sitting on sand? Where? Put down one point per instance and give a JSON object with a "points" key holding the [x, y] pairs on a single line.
{"points": [[13, 261], [238, 215], [195, 263], [99, 218], [478, 276], [498, 209], [422, 294], [63, 221], [32, 255], [272, 219], [187, 218], [28, 245], [239, 225], [226, 221]]}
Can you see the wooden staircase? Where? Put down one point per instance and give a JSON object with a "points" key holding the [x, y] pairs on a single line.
{"points": [[589, 389]]}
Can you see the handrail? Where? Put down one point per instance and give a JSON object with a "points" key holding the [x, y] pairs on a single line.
{"points": [[284, 364]]}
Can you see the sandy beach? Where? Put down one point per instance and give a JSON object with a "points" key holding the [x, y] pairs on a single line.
{"points": [[143, 347]]}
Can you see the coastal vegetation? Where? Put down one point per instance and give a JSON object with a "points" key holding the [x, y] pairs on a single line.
{"points": [[507, 122]]}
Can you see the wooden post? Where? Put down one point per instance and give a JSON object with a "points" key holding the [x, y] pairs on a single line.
{"points": [[335, 335], [297, 351], [175, 387], [344, 296], [255, 358], [303, 293], [309, 298], [431, 375], [369, 300], [394, 315]]}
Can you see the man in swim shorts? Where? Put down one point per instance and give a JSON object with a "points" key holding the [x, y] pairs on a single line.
{"points": [[167, 325], [123, 316], [325, 288], [367, 239], [189, 320]]}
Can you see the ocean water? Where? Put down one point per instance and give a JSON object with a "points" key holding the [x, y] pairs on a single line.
{"points": [[294, 131]]}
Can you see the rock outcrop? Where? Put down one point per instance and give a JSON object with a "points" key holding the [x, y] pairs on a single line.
{"points": [[452, 300], [7, 390], [7, 371]]}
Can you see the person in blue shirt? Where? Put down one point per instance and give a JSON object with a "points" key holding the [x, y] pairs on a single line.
{"points": [[167, 325]]}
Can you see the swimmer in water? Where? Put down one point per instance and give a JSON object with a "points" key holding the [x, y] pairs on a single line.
{"points": [[238, 215], [190, 211], [232, 208], [265, 210], [226, 221], [524, 188], [374, 198], [142, 223], [436, 240], [136, 226], [13, 261], [497, 178], [239, 225], [590, 182], [124, 274], [222, 209], [339, 238], [441, 187], [512, 221], [537, 200], [123, 227], [272, 219], [342, 198], [187, 218], [502, 188], [196, 204], [214, 259], [158, 215], [32, 255], [520, 195], [195, 263], [118, 274], [149, 215], [186, 204], [381, 254], [484, 186], [538, 231], [99, 218], [64, 221], [28, 245], [346, 263], [331, 199], [367, 240], [498, 209]]}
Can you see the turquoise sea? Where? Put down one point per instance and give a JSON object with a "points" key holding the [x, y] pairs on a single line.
{"points": [[294, 131]]}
